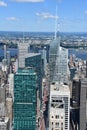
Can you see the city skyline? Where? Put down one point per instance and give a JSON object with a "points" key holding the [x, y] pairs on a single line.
{"points": [[40, 15]]}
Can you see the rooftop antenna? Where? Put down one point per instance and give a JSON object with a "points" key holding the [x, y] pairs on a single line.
{"points": [[56, 20]]}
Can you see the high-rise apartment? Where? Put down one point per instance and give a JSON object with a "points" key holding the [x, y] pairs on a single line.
{"points": [[59, 113], [24, 113]]}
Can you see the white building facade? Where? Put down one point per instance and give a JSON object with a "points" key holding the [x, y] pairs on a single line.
{"points": [[59, 105], [11, 84]]}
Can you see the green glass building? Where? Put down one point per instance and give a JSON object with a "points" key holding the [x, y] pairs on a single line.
{"points": [[24, 109]]}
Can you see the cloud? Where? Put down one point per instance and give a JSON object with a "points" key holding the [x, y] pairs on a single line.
{"points": [[2, 3], [86, 12], [46, 15], [59, 1], [12, 18], [33, 1]]}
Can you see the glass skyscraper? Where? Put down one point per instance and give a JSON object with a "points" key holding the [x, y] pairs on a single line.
{"points": [[61, 67], [24, 110], [34, 60], [54, 47], [58, 61]]}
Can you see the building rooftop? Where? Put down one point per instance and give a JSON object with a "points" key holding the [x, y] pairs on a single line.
{"points": [[3, 120], [32, 54], [26, 71], [59, 89]]}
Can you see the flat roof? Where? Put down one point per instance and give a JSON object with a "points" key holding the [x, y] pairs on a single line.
{"points": [[32, 54], [59, 89]]}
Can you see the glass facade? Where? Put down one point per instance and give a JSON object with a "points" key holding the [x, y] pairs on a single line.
{"points": [[24, 111], [58, 62], [34, 60], [54, 48]]}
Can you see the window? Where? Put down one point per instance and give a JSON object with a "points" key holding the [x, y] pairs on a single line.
{"points": [[52, 123], [57, 124], [57, 116], [61, 117], [62, 124]]}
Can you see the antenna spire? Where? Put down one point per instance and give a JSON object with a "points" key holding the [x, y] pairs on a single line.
{"points": [[56, 20]]}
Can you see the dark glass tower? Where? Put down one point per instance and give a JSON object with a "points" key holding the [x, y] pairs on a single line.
{"points": [[24, 111], [34, 60]]}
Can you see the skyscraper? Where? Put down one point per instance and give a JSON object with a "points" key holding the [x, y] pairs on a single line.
{"points": [[83, 105], [34, 60], [76, 85], [22, 51], [58, 61], [24, 112], [61, 67], [8, 57], [59, 113], [54, 48]]}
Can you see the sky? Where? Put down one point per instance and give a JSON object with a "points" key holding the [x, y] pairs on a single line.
{"points": [[42, 15]]}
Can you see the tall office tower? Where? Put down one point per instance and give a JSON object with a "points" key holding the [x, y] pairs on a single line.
{"points": [[44, 60], [2, 93], [2, 101], [54, 48], [61, 67], [8, 57], [24, 113], [4, 51], [76, 85], [34, 60], [4, 65], [4, 121], [36, 48], [11, 85], [58, 62], [9, 106], [59, 114], [75, 103], [22, 50], [83, 105], [86, 69]]}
